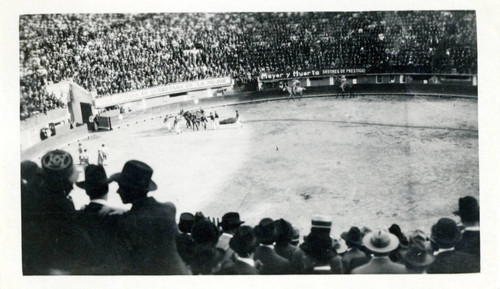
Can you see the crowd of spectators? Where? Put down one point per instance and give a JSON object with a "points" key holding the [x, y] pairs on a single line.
{"points": [[99, 239], [113, 53]]}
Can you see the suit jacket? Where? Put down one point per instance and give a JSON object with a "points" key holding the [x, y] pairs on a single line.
{"points": [[454, 262], [470, 243], [148, 234], [285, 250], [101, 228], [236, 267], [353, 258], [380, 265], [272, 263], [303, 263]]}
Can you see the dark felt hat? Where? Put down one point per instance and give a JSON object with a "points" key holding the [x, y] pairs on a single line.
{"points": [[353, 236], [284, 231], [445, 233], [186, 222], [136, 175], [95, 178], [230, 221], [468, 209], [243, 242], [59, 164], [319, 246], [265, 231], [204, 232]]}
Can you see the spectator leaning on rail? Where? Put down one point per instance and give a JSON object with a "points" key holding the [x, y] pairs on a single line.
{"points": [[147, 233]]}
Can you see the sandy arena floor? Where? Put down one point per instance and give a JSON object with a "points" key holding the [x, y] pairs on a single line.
{"points": [[369, 161]]}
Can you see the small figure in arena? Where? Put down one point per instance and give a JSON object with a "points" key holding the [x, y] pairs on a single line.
{"points": [[295, 84], [80, 152], [177, 125], [212, 118], [102, 156], [85, 159], [238, 121]]}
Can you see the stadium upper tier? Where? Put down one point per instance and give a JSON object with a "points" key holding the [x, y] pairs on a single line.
{"points": [[112, 53]]}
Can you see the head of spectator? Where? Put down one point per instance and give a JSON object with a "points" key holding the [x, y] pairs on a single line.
{"points": [[230, 222], [296, 237], [468, 210], [186, 222], [418, 254], [396, 230], [30, 182], [353, 237], [58, 173], [204, 231], [96, 182], [134, 181], [284, 232], [445, 233], [244, 242], [318, 244], [265, 231], [380, 242]]}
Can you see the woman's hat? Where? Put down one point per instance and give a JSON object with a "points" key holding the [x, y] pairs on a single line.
{"points": [[381, 241], [136, 175]]}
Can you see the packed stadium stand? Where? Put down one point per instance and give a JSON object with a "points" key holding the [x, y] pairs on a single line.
{"points": [[113, 53]]}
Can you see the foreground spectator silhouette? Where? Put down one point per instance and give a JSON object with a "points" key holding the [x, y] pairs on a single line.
{"points": [[445, 234], [53, 239], [380, 243], [272, 263], [317, 254], [243, 244], [468, 210], [353, 257], [147, 233], [100, 220]]}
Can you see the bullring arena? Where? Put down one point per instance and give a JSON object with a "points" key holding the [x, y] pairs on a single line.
{"points": [[366, 161]]}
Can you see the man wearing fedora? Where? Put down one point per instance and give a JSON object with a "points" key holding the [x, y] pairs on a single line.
{"points": [[317, 254], [445, 234], [468, 210], [380, 243], [185, 242], [272, 263], [354, 256], [148, 232], [229, 224], [243, 243], [100, 220], [55, 242], [206, 256]]}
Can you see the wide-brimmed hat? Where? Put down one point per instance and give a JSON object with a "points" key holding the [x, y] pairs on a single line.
{"points": [[468, 209], [380, 241], [136, 175], [445, 233], [265, 231], [243, 242], [353, 236], [284, 231], [204, 232], [418, 251], [230, 221], [95, 178], [59, 164], [186, 222]]}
